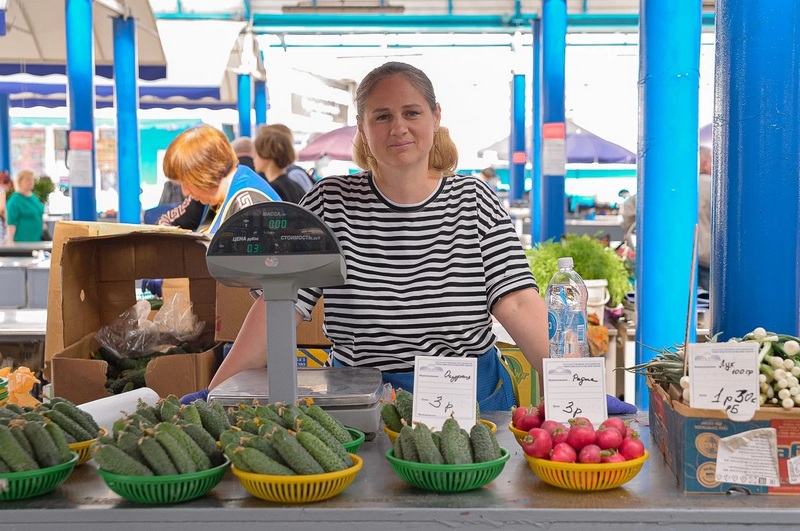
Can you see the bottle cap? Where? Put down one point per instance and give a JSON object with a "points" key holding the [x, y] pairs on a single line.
{"points": [[565, 262]]}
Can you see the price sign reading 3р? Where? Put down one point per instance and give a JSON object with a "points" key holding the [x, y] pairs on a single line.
{"points": [[445, 387], [575, 387], [724, 376]]}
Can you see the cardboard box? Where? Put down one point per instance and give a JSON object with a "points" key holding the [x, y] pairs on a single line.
{"points": [[525, 378], [688, 438], [79, 378], [233, 305], [64, 232]]}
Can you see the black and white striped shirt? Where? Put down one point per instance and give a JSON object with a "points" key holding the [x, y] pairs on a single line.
{"points": [[420, 278]]}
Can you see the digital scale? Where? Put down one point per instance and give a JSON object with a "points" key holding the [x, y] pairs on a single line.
{"points": [[281, 247]]}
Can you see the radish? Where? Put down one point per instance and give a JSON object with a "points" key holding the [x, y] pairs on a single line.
{"points": [[563, 453], [529, 421], [616, 422], [608, 437], [589, 454], [632, 447], [580, 436], [560, 435], [516, 414], [537, 443], [580, 421], [541, 411], [611, 456], [630, 432], [550, 426]]}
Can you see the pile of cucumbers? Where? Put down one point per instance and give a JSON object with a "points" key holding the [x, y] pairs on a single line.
{"points": [[453, 445], [38, 437], [163, 440], [286, 440]]}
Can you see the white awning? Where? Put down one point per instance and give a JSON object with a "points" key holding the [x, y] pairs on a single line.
{"points": [[35, 39]]}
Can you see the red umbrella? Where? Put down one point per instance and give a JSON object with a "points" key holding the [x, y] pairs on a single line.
{"points": [[336, 145]]}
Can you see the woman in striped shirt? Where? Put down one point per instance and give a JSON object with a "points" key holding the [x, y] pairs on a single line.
{"points": [[430, 255]]}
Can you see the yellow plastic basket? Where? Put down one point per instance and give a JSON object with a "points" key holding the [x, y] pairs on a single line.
{"points": [[518, 434], [393, 434], [301, 488], [588, 477], [83, 448]]}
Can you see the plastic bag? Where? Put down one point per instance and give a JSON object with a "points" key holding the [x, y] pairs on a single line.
{"points": [[132, 335], [176, 322]]}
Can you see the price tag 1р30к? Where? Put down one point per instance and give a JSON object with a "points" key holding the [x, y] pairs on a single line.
{"points": [[724, 376]]}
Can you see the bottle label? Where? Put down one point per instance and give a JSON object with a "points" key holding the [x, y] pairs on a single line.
{"points": [[552, 324]]}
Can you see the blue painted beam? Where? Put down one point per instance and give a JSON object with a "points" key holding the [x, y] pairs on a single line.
{"points": [[756, 156], [127, 102], [666, 205], [80, 70], [536, 156], [517, 140], [5, 134], [260, 103], [554, 32], [244, 105]]}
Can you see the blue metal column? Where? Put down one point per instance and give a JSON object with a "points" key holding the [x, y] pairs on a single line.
{"points": [[669, 81], [127, 103], [244, 105], [260, 102], [80, 92], [554, 36], [536, 134], [5, 134], [517, 139], [755, 228]]}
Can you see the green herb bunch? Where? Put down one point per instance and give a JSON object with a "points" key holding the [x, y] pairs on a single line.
{"points": [[592, 259]]}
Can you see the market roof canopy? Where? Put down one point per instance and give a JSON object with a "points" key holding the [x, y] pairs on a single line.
{"points": [[204, 58], [35, 39]]}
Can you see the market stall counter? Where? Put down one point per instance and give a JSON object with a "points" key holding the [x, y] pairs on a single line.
{"points": [[378, 499]]}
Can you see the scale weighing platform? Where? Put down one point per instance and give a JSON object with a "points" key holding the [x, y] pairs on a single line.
{"points": [[281, 247]]}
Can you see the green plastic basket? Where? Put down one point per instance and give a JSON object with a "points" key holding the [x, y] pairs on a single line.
{"points": [[21, 485], [358, 439], [448, 478], [165, 489]]}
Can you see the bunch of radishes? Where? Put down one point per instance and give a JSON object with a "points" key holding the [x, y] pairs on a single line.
{"points": [[579, 442]]}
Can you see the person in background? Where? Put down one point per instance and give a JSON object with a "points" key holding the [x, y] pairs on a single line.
{"points": [[489, 176], [273, 153], [24, 211], [5, 186], [459, 257], [203, 162], [295, 172], [704, 219], [245, 151]]}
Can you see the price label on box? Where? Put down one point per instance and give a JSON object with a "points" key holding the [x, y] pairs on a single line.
{"points": [[724, 376]]}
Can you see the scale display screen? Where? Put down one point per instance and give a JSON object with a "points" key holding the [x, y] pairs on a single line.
{"points": [[273, 228]]}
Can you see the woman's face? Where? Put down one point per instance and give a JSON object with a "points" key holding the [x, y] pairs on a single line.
{"points": [[259, 164], [25, 184], [205, 196], [398, 125]]}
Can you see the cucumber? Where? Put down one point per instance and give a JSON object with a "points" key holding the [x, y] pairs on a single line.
{"points": [[45, 450], [322, 453], [156, 457], [427, 449], [13, 454], [260, 463], [295, 454], [112, 459], [330, 423], [200, 459]]}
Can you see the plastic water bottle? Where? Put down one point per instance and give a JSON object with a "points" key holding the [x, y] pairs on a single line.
{"points": [[566, 312]]}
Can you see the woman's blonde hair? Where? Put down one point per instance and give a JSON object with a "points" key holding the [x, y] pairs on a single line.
{"points": [[200, 156], [23, 174], [274, 143], [444, 154]]}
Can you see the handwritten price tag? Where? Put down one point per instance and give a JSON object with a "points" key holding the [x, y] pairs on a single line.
{"points": [[445, 387], [575, 387], [724, 376]]}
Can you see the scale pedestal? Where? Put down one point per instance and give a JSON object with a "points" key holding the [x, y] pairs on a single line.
{"points": [[281, 247]]}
